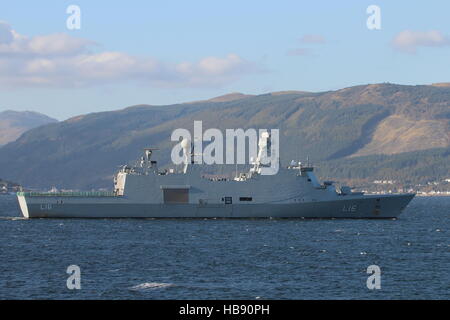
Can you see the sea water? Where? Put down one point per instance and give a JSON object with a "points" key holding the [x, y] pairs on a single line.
{"points": [[227, 258]]}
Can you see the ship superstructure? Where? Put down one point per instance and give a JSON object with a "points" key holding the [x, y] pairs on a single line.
{"points": [[143, 190]]}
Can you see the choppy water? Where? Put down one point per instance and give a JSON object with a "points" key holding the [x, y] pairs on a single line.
{"points": [[227, 259]]}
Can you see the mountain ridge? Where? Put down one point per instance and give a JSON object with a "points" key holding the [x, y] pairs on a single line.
{"points": [[329, 127], [15, 123]]}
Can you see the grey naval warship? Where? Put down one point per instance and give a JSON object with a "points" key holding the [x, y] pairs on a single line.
{"points": [[144, 191]]}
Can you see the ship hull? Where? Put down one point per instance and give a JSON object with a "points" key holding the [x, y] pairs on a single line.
{"points": [[362, 207]]}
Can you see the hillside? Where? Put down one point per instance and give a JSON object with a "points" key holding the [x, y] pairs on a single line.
{"points": [[14, 123], [376, 129]]}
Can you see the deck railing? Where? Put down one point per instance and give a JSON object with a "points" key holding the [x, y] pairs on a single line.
{"points": [[68, 194]]}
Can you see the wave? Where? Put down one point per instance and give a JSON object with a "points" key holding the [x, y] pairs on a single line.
{"points": [[13, 218], [151, 285]]}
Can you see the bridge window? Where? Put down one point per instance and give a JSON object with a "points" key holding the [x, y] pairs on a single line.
{"points": [[245, 199]]}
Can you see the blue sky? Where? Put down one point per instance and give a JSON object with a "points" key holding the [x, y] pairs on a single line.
{"points": [[154, 52]]}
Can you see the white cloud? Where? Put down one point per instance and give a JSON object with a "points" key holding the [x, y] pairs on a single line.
{"points": [[6, 35], [60, 60], [57, 44], [307, 39], [409, 41], [312, 38]]}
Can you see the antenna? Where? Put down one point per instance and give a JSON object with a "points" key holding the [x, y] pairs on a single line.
{"points": [[186, 145], [148, 153]]}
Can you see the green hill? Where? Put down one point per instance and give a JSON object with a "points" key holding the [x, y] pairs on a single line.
{"points": [[363, 132]]}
